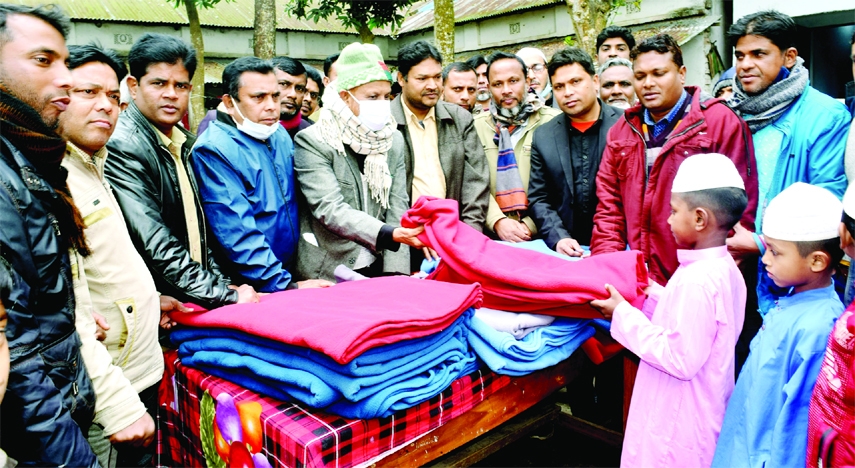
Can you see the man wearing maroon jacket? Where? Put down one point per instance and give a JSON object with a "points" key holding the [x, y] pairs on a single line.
{"points": [[670, 123]]}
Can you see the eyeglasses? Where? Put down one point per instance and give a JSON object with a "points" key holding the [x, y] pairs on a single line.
{"points": [[537, 68]]}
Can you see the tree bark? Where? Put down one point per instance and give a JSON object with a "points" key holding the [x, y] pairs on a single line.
{"points": [[443, 28], [197, 94], [264, 36], [589, 17], [366, 36]]}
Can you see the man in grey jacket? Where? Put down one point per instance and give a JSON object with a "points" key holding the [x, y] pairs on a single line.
{"points": [[443, 156]]}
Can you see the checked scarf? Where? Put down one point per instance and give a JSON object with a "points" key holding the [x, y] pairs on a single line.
{"points": [[44, 149], [339, 127], [510, 194], [762, 109]]}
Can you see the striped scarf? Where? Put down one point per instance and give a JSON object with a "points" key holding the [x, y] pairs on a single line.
{"points": [[44, 149], [510, 194], [339, 127]]}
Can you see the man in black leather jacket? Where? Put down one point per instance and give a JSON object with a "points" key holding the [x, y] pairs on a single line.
{"points": [[154, 183], [49, 402]]}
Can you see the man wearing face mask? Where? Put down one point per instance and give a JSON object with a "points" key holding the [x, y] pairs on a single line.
{"points": [[350, 165], [245, 167]]}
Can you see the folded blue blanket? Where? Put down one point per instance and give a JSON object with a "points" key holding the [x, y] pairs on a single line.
{"points": [[544, 347], [354, 388]]}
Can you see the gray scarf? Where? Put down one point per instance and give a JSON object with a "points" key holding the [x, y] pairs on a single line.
{"points": [[762, 109]]}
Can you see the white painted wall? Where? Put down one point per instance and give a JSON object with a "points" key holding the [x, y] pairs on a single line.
{"points": [[793, 8]]}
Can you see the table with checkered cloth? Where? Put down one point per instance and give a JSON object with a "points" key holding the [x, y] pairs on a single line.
{"points": [[299, 436]]}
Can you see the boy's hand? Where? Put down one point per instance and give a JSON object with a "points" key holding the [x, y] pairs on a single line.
{"points": [[607, 306]]}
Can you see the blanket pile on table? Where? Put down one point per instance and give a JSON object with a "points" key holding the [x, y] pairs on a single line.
{"points": [[363, 349]]}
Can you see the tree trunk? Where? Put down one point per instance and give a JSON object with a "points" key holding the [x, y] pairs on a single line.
{"points": [[197, 94], [365, 34], [264, 37], [589, 17], [443, 28]]}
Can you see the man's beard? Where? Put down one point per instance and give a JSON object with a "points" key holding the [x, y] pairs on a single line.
{"points": [[288, 116], [482, 96], [511, 113], [622, 104]]}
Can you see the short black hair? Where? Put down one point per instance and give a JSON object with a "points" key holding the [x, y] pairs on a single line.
{"points": [[849, 223], [661, 43], [234, 70], [476, 61], [616, 31], [288, 65], [459, 67], [570, 56], [152, 48], [726, 203], [496, 56], [415, 53], [829, 246], [852, 41], [50, 14], [773, 25], [313, 74], [79, 55], [328, 62]]}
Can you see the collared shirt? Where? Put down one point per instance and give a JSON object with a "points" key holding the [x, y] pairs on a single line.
{"points": [[188, 197], [686, 349], [766, 422], [665, 122], [428, 178], [585, 160]]}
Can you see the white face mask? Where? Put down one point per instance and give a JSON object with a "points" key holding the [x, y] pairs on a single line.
{"points": [[373, 114], [253, 129]]}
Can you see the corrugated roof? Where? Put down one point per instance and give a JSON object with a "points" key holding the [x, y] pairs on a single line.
{"points": [[228, 14], [468, 10], [682, 30]]}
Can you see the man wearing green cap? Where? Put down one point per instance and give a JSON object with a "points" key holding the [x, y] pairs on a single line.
{"points": [[351, 171]]}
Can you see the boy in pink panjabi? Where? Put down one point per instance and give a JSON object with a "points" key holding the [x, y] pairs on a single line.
{"points": [[686, 334]]}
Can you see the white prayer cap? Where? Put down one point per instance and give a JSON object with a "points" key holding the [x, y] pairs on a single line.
{"points": [[849, 201], [706, 171], [803, 212]]}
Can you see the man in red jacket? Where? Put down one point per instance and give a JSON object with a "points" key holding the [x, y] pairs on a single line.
{"points": [[670, 123]]}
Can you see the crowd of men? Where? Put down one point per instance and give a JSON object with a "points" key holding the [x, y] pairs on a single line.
{"points": [[113, 217]]}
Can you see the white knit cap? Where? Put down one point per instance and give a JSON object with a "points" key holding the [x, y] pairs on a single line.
{"points": [[849, 201], [706, 171], [803, 212]]}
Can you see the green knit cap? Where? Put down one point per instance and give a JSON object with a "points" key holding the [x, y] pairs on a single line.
{"points": [[359, 64]]}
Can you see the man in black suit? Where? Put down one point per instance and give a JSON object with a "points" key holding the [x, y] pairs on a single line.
{"points": [[566, 153]]}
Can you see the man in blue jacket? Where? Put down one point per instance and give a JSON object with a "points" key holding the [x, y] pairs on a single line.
{"points": [[49, 401], [799, 133], [245, 166]]}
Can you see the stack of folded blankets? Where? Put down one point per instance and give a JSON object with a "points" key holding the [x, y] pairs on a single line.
{"points": [[362, 349]]}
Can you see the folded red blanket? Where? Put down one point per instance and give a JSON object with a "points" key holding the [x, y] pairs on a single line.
{"points": [[521, 280], [345, 320]]}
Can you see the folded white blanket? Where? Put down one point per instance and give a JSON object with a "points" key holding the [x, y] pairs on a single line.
{"points": [[517, 324]]}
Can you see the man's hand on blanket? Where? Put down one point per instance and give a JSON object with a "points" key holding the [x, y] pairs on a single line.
{"points": [[570, 247], [409, 236], [313, 283], [138, 434], [167, 305], [246, 293], [510, 230], [101, 326], [607, 306], [430, 254]]}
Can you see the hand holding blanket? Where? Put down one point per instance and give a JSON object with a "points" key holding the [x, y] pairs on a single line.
{"points": [[521, 280]]}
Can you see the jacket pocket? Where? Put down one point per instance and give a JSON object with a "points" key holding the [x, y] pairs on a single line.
{"points": [[128, 311], [67, 371], [625, 156]]}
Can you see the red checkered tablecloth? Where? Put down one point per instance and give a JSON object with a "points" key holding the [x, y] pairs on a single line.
{"points": [[299, 436]]}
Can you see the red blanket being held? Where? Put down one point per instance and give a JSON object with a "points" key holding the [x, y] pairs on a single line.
{"points": [[521, 280], [345, 320]]}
